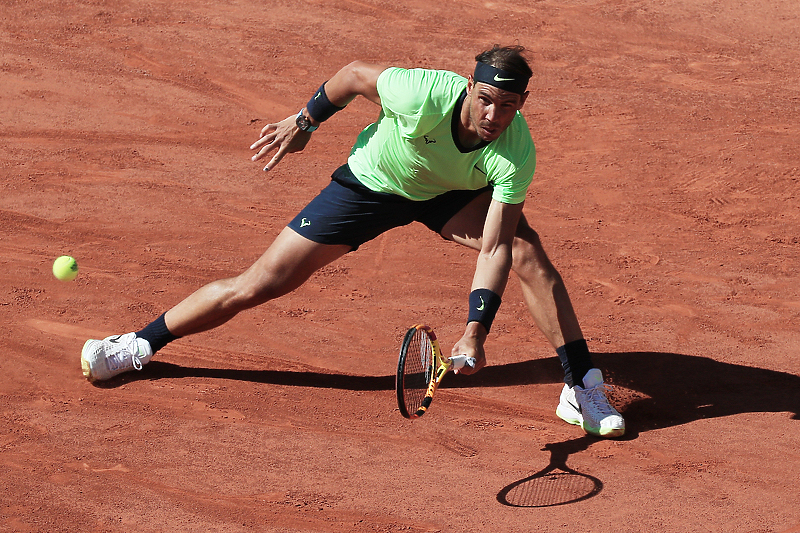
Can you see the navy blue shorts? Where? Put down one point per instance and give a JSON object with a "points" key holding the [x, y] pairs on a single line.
{"points": [[347, 212]]}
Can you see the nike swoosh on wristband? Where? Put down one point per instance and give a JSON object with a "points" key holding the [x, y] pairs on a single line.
{"points": [[483, 304], [498, 78]]}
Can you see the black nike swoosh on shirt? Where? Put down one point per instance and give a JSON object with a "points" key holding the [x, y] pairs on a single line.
{"points": [[479, 170]]}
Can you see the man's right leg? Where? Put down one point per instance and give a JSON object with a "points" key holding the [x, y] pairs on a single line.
{"points": [[287, 264]]}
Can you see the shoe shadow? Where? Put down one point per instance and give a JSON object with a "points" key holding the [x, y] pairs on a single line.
{"points": [[654, 390]]}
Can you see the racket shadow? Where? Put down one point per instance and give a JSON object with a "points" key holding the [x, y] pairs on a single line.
{"points": [[556, 484]]}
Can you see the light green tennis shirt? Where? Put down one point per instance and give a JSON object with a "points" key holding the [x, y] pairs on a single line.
{"points": [[413, 150]]}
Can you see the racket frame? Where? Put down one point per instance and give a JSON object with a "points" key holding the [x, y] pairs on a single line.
{"points": [[440, 366]]}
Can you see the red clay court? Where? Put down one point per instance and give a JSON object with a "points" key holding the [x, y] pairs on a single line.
{"points": [[666, 193]]}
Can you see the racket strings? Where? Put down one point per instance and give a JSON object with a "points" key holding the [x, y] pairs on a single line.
{"points": [[418, 370]]}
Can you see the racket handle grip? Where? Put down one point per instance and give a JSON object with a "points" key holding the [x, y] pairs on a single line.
{"points": [[460, 361]]}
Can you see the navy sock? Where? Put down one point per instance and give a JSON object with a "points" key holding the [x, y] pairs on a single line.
{"points": [[157, 334], [576, 360]]}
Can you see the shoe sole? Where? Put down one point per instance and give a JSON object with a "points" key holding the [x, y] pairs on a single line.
{"points": [[85, 366], [597, 432], [568, 419], [606, 433]]}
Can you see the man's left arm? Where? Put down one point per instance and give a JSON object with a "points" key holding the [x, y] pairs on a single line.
{"points": [[490, 279]]}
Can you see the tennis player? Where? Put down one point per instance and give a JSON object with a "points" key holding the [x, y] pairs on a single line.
{"points": [[452, 153]]}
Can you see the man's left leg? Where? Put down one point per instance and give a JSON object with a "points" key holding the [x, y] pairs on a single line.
{"points": [[583, 401]]}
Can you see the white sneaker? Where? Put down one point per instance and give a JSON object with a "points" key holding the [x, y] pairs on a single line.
{"points": [[101, 360], [588, 407]]}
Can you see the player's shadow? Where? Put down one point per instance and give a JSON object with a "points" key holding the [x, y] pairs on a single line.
{"points": [[656, 390], [297, 378]]}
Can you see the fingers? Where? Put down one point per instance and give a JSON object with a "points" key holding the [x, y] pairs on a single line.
{"points": [[275, 160], [263, 150], [284, 136], [269, 127], [266, 142], [267, 134]]}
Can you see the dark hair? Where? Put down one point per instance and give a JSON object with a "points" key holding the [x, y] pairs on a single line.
{"points": [[508, 58]]}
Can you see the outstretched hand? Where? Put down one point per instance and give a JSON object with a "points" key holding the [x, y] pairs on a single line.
{"points": [[285, 137]]}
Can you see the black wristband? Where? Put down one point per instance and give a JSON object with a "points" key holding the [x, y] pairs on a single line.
{"points": [[483, 306], [319, 107]]}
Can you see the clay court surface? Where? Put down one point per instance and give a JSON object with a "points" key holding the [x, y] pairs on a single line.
{"points": [[666, 193]]}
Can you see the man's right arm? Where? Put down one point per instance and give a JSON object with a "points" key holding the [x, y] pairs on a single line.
{"points": [[357, 78]]}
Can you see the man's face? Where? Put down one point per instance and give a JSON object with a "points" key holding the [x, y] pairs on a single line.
{"points": [[491, 110]]}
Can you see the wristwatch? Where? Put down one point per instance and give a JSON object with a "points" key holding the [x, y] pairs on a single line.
{"points": [[303, 123]]}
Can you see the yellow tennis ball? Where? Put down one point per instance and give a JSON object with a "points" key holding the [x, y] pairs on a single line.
{"points": [[65, 268]]}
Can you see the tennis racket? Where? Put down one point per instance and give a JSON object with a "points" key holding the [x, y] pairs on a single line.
{"points": [[420, 369]]}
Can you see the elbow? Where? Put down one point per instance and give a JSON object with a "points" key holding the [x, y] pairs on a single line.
{"points": [[360, 78]]}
